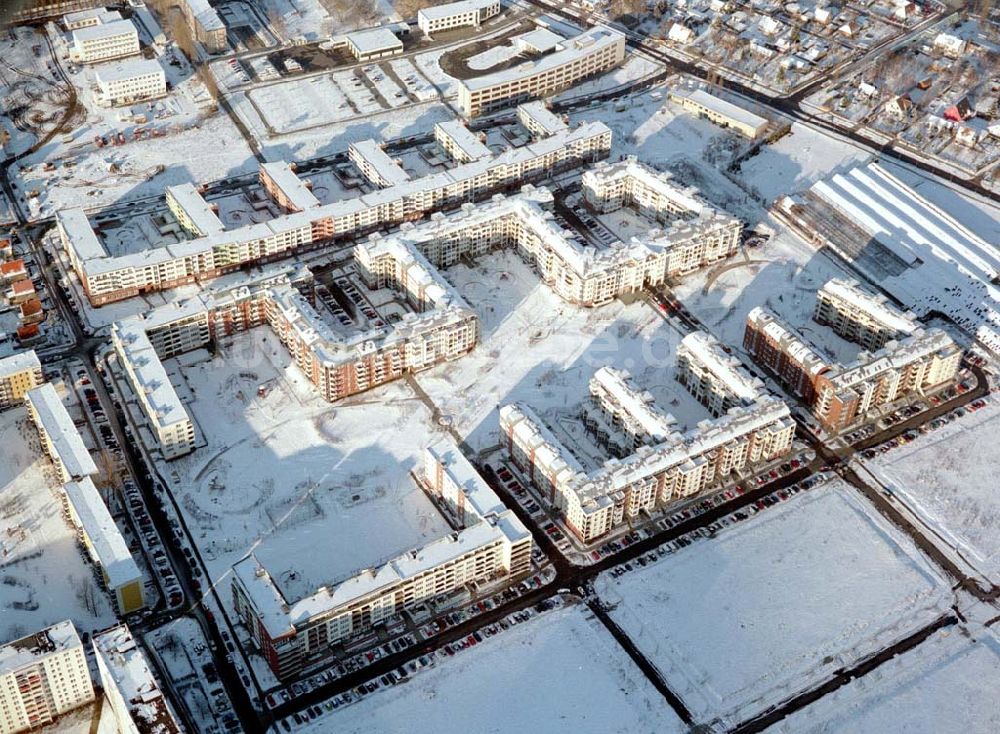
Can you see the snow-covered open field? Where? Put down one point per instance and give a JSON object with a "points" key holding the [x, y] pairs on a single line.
{"points": [[772, 605], [539, 349], [45, 576], [317, 491], [947, 684], [949, 476], [561, 672]]}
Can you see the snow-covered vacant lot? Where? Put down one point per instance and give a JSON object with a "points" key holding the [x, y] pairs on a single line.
{"points": [[561, 672], [947, 684], [316, 491], [772, 605], [949, 476], [45, 576]]}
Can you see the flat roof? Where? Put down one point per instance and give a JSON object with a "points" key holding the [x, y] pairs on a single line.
{"points": [[105, 538], [436, 12], [537, 112], [192, 203], [31, 648], [464, 139], [724, 366], [540, 39], [374, 39], [126, 663], [587, 42], [154, 382], [127, 70], [80, 235], [722, 107], [19, 362], [382, 162], [293, 187], [104, 30], [62, 432]]}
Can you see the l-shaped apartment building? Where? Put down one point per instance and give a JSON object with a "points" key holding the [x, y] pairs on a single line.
{"points": [[491, 546], [912, 360], [664, 463]]}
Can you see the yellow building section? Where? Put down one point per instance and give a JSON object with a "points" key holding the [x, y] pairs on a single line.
{"points": [[130, 597], [20, 383]]}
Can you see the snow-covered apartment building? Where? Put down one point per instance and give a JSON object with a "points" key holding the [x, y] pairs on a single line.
{"points": [[206, 26], [134, 696], [107, 278], [914, 363], [491, 547], [460, 142], [105, 41], [128, 82], [859, 316], [539, 120], [83, 505], [713, 375], [42, 676], [594, 51], [456, 15], [19, 373], [666, 464]]}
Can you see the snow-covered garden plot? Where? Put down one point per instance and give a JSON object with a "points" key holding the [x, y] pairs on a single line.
{"points": [[561, 672], [949, 476], [387, 88], [415, 82], [355, 90], [539, 349], [45, 576], [316, 490], [947, 684], [784, 275], [773, 605], [301, 103]]}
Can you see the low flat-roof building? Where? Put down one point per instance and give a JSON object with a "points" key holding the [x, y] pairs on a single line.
{"points": [[137, 703], [721, 112], [88, 18], [592, 52], [61, 439], [461, 14], [42, 676], [129, 82], [19, 373], [374, 43], [104, 42]]}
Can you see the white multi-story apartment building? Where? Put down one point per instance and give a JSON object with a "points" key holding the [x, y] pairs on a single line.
{"points": [[134, 696], [61, 440], [492, 546], [376, 165], [713, 375], [19, 373], [168, 419], [458, 141], [592, 52], [88, 18], [206, 26], [539, 120], [42, 676], [129, 82], [681, 464], [106, 279], [104, 42], [622, 416], [860, 316], [193, 213], [461, 14]]}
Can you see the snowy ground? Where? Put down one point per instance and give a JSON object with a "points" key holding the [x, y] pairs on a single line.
{"points": [[634, 69], [957, 494], [537, 348], [45, 576], [951, 677], [561, 672], [743, 620], [316, 491]]}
